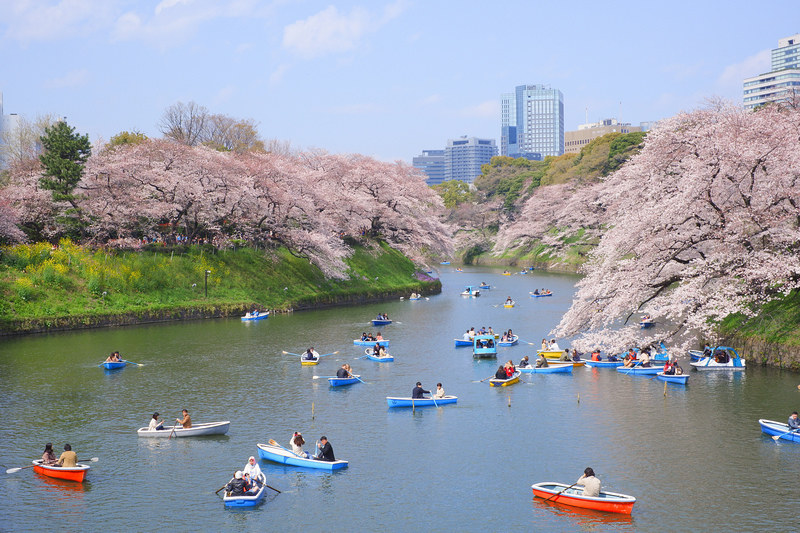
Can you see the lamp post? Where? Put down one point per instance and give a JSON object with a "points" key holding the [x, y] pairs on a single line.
{"points": [[207, 273]]}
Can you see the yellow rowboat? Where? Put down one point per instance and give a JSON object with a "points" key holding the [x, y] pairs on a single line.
{"points": [[549, 354], [494, 382], [508, 306], [560, 362], [310, 362]]}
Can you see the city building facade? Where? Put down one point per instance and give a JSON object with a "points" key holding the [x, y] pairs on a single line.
{"points": [[431, 162], [782, 82], [574, 141], [463, 157], [532, 122]]}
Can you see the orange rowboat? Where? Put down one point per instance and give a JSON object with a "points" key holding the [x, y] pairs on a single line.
{"points": [[73, 473], [609, 502]]}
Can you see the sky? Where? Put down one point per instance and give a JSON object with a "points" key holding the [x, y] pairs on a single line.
{"points": [[384, 79]]}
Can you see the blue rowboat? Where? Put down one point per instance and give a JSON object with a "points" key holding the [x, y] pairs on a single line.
{"points": [[696, 355], [248, 500], [445, 263], [257, 315], [554, 368], [494, 382], [603, 364], [463, 342], [114, 365], [778, 429], [340, 382], [484, 286], [673, 378], [640, 370], [385, 359], [380, 322], [419, 402], [645, 324], [722, 358], [276, 454], [541, 295], [513, 342], [359, 342]]}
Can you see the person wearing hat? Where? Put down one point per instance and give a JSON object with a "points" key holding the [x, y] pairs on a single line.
{"points": [[419, 391], [252, 470], [155, 423], [325, 450], [237, 486], [68, 458], [591, 485]]}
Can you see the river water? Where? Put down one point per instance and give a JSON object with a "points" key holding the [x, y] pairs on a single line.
{"points": [[693, 456]]}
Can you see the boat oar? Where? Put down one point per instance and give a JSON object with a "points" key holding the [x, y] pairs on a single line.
{"points": [[222, 487], [273, 488], [323, 377], [484, 379], [332, 353], [273, 442], [359, 379], [15, 470], [434, 401], [132, 363], [171, 433], [559, 493], [290, 353], [777, 437]]}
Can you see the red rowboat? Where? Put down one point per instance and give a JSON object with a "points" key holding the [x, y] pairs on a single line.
{"points": [[610, 502], [72, 473]]}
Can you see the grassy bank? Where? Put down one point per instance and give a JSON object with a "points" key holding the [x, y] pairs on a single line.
{"points": [[71, 286]]}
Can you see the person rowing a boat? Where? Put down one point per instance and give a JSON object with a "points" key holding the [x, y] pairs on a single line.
{"points": [[310, 354], [49, 457], [794, 423], [344, 372], [501, 373], [645, 358], [68, 458], [237, 486], [155, 423], [186, 422], [325, 450], [564, 356], [591, 485], [541, 361], [524, 363], [509, 301], [113, 358], [418, 391]]}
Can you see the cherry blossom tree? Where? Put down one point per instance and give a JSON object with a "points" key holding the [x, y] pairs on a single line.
{"points": [[703, 223]]}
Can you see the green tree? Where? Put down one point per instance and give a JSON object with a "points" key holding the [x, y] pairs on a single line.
{"points": [[126, 137], [65, 154], [453, 193]]}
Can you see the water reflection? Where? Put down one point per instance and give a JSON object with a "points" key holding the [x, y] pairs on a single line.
{"points": [[583, 519]]}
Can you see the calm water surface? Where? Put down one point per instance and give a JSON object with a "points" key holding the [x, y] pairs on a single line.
{"points": [[694, 457]]}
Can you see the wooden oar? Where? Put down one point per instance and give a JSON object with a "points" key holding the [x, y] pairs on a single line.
{"points": [[171, 433], [332, 353], [290, 353], [558, 494], [132, 363], [222, 487], [15, 470], [777, 437], [275, 443], [484, 379], [273, 488]]}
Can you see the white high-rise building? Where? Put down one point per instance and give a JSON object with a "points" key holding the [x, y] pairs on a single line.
{"points": [[782, 81], [532, 122]]}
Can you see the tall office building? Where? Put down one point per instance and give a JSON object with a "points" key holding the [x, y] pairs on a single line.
{"points": [[532, 122], [464, 157], [782, 81], [431, 162]]}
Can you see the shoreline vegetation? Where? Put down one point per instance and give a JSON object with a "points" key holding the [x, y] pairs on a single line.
{"points": [[49, 288]]}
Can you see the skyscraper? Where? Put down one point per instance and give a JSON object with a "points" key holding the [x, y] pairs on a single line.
{"points": [[532, 122], [463, 157], [431, 162], [782, 81]]}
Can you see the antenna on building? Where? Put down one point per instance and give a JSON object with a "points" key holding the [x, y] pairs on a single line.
{"points": [[620, 112], [587, 116]]}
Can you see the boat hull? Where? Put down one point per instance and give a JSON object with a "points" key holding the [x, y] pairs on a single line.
{"points": [[609, 502], [114, 365], [420, 402], [734, 362], [681, 379], [541, 295], [560, 362], [260, 316], [198, 430], [359, 342], [341, 382], [603, 364], [494, 382], [76, 473], [640, 370], [513, 342], [462, 342], [778, 429], [554, 368], [508, 306], [381, 322], [247, 500], [484, 287], [285, 457]]}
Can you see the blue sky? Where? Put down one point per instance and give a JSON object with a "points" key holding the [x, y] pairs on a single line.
{"points": [[386, 79]]}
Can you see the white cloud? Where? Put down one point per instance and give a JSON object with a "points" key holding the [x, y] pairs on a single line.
{"points": [[28, 21], [487, 109], [752, 66], [331, 32], [166, 4], [75, 78]]}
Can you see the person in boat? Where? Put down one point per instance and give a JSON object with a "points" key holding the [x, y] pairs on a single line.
{"points": [[591, 485], [110, 358], [510, 369], [504, 337], [467, 336], [490, 343], [669, 368], [524, 362], [509, 301], [536, 292], [576, 355], [186, 421], [510, 334], [155, 423], [645, 358], [252, 472], [707, 351], [794, 423], [545, 345], [721, 356], [490, 332], [596, 355], [541, 361], [237, 486], [472, 331], [613, 358], [482, 330], [378, 336], [325, 450], [501, 373], [68, 458], [309, 355], [49, 456], [418, 391], [564, 356], [554, 346], [628, 361], [343, 372], [297, 445], [376, 350], [439, 391]]}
